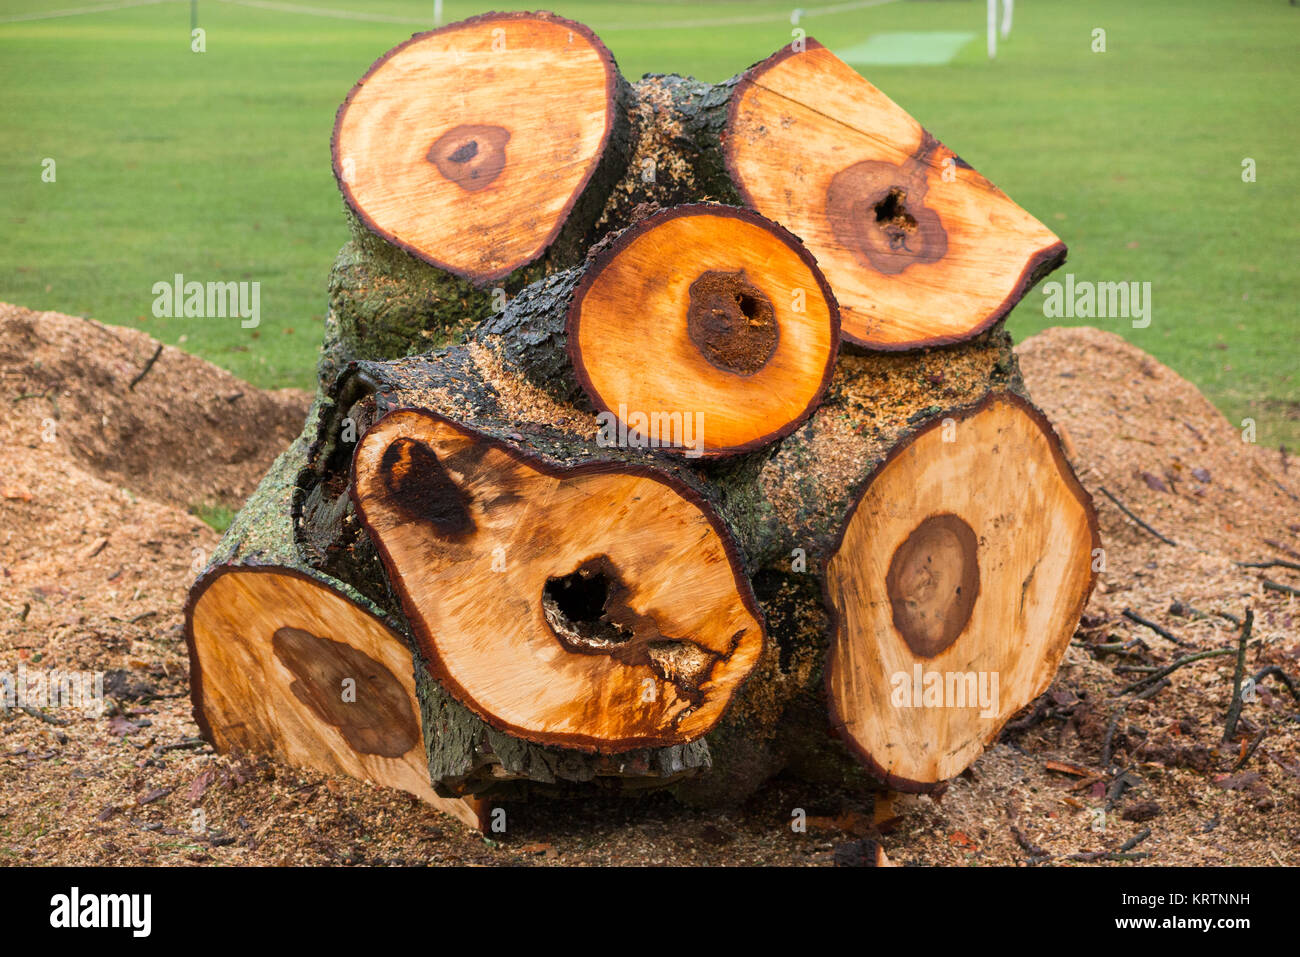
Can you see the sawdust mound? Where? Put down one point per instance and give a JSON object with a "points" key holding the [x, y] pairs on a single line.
{"points": [[185, 433], [1150, 438]]}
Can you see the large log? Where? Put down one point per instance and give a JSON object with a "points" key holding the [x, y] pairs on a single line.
{"points": [[954, 433], [472, 386], [956, 585], [598, 606], [919, 247]]}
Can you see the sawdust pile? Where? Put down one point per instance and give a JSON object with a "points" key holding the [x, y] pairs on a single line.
{"points": [[98, 548]]}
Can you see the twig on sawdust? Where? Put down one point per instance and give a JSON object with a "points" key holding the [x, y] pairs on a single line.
{"points": [[1234, 709], [1170, 669], [1270, 585], [1275, 670], [1123, 508], [145, 371], [1131, 615]]}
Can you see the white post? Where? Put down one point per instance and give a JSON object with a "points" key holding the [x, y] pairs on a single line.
{"points": [[993, 28], [437, 13], [1006, 17]]}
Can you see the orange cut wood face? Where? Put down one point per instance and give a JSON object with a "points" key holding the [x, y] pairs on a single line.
{"points": [[599, 607], [283, 665], [467, 146], [705, 329], [919, 248], [959, 580]]}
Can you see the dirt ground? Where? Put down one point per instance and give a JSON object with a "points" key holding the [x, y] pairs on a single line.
{"points": [[98, 547]]}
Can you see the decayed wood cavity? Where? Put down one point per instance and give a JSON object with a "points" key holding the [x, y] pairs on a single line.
{"points": [[600, 606], [731, 321], [877, 210]]}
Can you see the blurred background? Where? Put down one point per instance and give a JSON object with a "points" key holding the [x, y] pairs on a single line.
{"points": [[216, 165]]}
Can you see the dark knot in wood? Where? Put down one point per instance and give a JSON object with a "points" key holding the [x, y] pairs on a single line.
{"points": [[420, 487], [732, 322], [470, 155], [933, 580], [373, 712]]}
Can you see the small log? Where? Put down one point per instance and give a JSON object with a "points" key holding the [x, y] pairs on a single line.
{"points": [[472, 159], [287, 661], [702, 329], [477, 145]]}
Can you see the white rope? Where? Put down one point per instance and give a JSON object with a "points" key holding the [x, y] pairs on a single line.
{"points": [[777, 16], [78, 11], [338, 14]]}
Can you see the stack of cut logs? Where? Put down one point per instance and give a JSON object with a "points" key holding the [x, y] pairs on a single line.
{"points": [[668, 436]]}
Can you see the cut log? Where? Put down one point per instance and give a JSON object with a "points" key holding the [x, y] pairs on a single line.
{"points": [[956, 587], [788, 506], [584, 604], [598, 607], [706, 315], [919, 248], [474, 147], [703, 330], [288, 662]]}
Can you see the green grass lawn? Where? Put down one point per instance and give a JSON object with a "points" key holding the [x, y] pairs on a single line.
{"points": [[216, 165]]}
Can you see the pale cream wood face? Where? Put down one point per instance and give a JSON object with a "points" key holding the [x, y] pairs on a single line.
{"points": [[470, 144]]}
